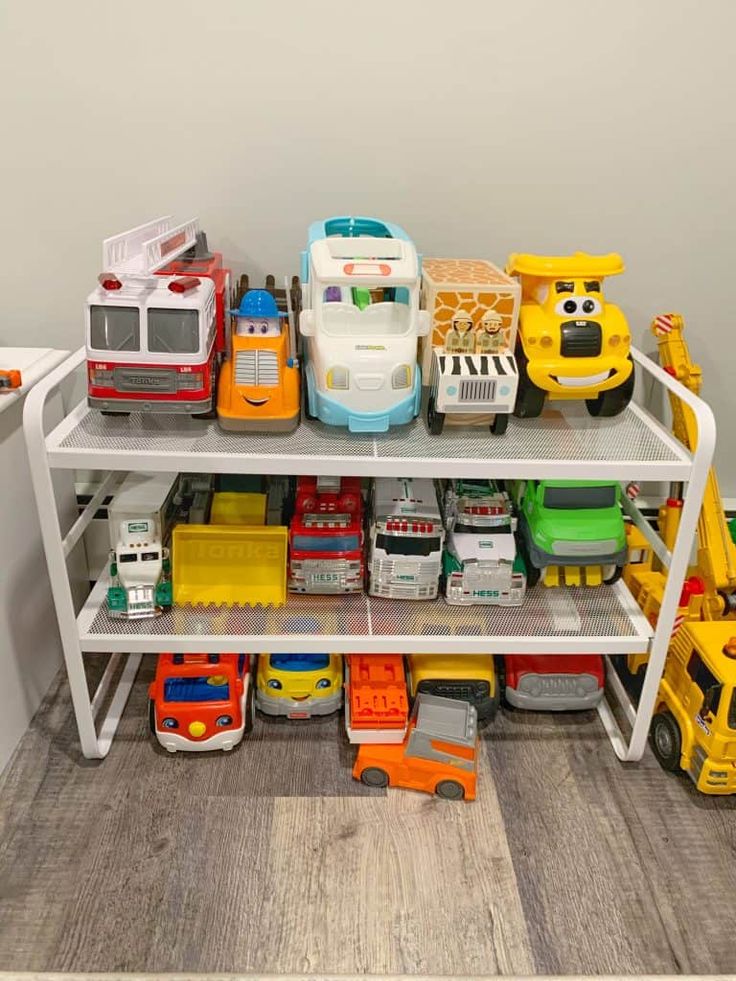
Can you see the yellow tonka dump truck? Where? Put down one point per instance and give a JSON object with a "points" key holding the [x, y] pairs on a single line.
{"points": [[694, 725], [229, 564], [571, 343]]}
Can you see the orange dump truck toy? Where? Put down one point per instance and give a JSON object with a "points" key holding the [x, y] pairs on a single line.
{"points": [[376, 702], [259, 388], [439, 754]]}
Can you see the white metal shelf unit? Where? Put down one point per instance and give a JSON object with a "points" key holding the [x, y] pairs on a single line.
{"points": [[562, 444]]}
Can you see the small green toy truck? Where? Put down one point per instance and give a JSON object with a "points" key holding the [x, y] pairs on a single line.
{"points": [[571, 531]]}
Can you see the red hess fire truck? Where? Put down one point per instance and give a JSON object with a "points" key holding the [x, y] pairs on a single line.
{"points": [[326, 536], [155, 324]]}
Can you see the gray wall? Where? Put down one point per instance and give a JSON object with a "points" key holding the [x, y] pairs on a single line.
{"points": [[482, 127]]}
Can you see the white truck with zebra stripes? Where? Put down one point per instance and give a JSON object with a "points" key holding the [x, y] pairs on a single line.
{"points": [[469, 384]]}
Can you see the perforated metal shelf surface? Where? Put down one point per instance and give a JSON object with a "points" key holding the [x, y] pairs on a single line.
{"points": [[633, 444], [602, 619]]}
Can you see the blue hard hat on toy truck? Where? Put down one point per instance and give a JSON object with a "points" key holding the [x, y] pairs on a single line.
{"points": [[257, 303]]}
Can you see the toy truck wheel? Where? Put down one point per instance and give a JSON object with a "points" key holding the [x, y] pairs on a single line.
{"points": [[435, 419], [500, 424], [109, 412], [618, 571], [529, 398], [374, 776], [666, 741], [151, 717], [613, 402], [532, 572], [250, 708], [450, 790]]}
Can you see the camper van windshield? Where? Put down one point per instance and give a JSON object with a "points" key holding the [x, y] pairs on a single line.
{"points": [[368, 310]]}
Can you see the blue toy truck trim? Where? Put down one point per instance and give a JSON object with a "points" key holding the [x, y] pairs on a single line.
{"points": [[333, 413]]}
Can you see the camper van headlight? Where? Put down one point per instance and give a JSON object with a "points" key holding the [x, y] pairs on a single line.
{"points": [[338, 377], [401, 377]]}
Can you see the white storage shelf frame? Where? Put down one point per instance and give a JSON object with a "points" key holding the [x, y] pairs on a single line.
{"points": [[560, 445]]}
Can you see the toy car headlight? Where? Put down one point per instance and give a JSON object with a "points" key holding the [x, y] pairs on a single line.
{"points": [[170, 724], [102, 377], [193, 380], [224, 720], [323, 683], [338, 377], [401, 377], [273, 683]]}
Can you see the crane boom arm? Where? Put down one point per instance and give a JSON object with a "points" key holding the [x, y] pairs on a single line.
{"points": [[716, 550]]}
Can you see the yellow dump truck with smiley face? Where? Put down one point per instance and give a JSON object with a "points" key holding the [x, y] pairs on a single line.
{"points": [[571, 343]]}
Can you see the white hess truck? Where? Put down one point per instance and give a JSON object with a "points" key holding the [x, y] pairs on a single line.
{"points": [[480, 564], [406, 539]]}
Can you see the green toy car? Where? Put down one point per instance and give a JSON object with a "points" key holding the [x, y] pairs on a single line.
{"points": [[570, 524]]}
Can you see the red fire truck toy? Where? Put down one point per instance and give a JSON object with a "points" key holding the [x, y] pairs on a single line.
{"points": [[326, 536], [155, 325], [376, 702]]}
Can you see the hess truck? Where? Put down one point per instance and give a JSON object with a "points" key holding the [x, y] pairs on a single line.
{"points": [[326, 536], [155, 324]]}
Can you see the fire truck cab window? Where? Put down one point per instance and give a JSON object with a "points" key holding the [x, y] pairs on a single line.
{"points": [[114, 328], [173, 331], [401, 545]]}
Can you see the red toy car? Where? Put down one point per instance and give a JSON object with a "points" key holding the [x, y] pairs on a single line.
{"points": [[554, 682], [200, 702]]}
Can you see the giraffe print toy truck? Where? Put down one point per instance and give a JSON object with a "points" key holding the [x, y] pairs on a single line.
{"points": [[468, 356]]}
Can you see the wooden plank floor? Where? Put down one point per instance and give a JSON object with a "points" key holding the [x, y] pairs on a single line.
{"points": [[273, 860]]}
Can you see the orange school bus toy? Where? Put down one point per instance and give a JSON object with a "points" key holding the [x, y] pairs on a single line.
{"points": [[439, 754], [259, 387]]}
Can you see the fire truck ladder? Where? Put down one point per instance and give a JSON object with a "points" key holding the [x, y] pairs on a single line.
{"points": [[141, 251]]}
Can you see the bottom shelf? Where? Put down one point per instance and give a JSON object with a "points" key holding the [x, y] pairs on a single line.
{"points": [[603, 620]]}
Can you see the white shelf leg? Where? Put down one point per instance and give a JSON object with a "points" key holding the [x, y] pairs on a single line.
{"points": [[93, 747]]}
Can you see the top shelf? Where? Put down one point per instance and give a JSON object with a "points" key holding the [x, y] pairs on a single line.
{"points": [[563, 443]]}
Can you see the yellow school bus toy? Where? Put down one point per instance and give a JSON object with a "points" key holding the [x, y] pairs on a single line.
{"points": [[694, 725], [571, 344]]}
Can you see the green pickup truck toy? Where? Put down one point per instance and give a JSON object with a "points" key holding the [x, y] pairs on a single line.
{"points": [[570, 530]]}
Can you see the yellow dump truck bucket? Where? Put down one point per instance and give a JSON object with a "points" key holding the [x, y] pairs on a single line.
{"points": [[577, 265], [232, 508], [230, 564]]}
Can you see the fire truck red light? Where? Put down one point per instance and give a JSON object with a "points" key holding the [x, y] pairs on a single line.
{"points": [[184, 284], [109, 282]]}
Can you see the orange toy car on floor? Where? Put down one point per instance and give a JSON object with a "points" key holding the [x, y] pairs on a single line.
{"points": [[439, 754], [9, 379]]}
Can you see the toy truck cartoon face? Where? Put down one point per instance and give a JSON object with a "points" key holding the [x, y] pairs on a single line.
{"points": [[361, 323], [151, 345], [480, 560], [694, 725], [572, 523], [469, 677], [406, 539], [259, 383], [554, 682], [575, 344], [299, 686], [201, 702]]}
